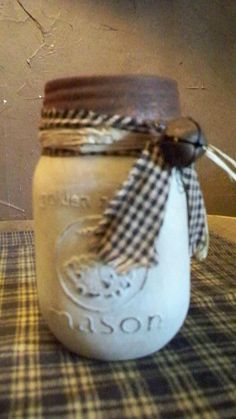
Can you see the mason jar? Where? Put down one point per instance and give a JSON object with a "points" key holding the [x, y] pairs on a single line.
{"points": [[93, 310]]}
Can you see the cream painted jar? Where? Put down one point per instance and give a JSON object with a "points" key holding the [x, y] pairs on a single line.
{"points": [[91, 309]]}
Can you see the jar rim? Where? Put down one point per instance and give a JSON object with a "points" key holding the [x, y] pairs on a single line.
{"points": [[139, 96]]}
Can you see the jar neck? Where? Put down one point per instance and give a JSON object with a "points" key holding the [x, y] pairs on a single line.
{"points": [[90, 140]]}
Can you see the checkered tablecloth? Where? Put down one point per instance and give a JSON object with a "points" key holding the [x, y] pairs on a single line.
{"points": [[192, 377]]}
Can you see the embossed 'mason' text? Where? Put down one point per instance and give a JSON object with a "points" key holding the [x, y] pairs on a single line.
{"points": [[128, 325], [65, 199]]}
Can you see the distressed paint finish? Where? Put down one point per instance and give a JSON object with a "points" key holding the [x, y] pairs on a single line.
{"points": [[192, 42]]}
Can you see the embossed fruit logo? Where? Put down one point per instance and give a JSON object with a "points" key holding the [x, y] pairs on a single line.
{"points": [[84, 279]]}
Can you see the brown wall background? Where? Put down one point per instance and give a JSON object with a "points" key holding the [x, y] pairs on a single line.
{"points": [[190, 41]]}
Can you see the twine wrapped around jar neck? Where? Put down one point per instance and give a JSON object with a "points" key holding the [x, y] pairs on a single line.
{"points": [[89, 140], [86, 132]]}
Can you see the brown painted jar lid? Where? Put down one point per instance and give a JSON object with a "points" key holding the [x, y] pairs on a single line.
{"points": [[140, 96]]}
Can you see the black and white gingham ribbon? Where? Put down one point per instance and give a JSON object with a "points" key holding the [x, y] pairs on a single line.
{"points": [[133, 219], [126, 236]]}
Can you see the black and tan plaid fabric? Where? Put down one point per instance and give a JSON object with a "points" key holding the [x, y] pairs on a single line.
{"points": [[132, 221], [192, 377]]}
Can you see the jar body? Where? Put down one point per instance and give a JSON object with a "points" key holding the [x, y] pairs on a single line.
{"points": [[89, 308]]}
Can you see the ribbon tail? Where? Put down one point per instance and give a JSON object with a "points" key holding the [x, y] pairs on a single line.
{"points": [[202, 248], [131, 223], [197, 218]]}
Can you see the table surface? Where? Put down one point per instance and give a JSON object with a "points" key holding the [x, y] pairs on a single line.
{"points": [[192, 377]]}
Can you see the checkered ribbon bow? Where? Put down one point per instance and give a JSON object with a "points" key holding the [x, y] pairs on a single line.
{"points": [[126, 236]]}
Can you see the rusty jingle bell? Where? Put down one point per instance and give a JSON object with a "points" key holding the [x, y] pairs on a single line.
{"points": [[182, 142]]}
